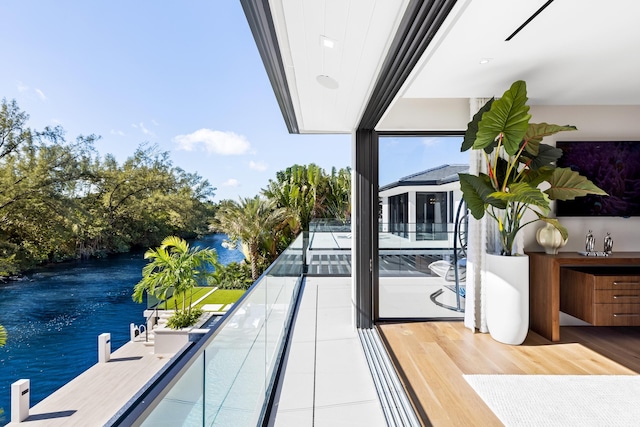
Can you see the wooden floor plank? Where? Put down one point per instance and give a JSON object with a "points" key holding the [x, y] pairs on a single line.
{"points": [[432, 357], [97, 394]]}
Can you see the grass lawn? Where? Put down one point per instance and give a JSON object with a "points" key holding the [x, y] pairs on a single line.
{"points": [[222, 296], [198, 292]]}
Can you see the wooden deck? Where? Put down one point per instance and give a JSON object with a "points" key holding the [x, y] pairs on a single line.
{"points": [[432, 358], [93, 397]]}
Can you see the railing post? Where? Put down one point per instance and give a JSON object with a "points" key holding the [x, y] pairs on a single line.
{"points": [[20, 400], [132, 331], [104, 347], [305, 248]]}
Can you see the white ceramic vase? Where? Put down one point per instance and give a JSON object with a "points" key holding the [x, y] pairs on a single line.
{"points": [[507, 305], [550, 239]]}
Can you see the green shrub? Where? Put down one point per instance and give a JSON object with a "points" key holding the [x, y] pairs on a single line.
{"points": [[184, 318], [233, 276]]}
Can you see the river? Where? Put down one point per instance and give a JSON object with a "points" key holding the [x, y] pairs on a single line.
{"points": [[54, 316]]}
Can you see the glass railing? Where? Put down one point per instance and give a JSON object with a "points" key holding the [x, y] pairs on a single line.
{"points": [[324, 225], [404, 249], [226, 378], [417, 270], [329, 249], [417, 246]]}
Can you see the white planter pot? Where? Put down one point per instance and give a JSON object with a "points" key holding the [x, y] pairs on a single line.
{"points": [[507, 291], [170, 341]]}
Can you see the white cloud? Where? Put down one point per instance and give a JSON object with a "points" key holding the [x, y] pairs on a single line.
{"points": [[142, 128], [214, 141], [431, 142], [258, 166], [231, 182], [155, 123], [24, 88], [116, 132]]}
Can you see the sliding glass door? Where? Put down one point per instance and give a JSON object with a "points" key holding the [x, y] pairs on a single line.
{"points": [[419, 195]]}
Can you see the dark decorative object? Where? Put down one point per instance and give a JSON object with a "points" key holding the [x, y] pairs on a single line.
{"points": [[590, 242], [608, 243], [613, 166]]}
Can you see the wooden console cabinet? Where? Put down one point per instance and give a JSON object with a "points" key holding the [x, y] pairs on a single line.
{"points": [[601, 296], [544, 285]]}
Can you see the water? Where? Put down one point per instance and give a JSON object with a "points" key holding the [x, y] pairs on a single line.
{"points": [[55, 316]]}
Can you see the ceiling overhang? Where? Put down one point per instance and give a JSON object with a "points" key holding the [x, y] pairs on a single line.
{"points": [[415, 65]]}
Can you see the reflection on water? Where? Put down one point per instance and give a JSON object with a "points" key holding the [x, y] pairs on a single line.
{"points": [[54, 317]]}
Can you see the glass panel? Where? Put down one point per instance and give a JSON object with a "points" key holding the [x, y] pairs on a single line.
{"points": [[183, 404], [229, 381], [418, 188], [329, 252], [235, 370], [431, 216]]}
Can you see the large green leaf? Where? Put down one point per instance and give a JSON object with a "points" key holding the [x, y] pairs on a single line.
{"points": [[535, 177], [501, 168], [476, 191], [536, 131], [522, 192], [508, 116], [546, 157], [567, 185], [472, 126]]}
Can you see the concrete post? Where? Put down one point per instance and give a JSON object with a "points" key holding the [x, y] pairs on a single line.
{"points": [[412, 215], [151, 322], [104, 347], [20, 400], [132, 331]]}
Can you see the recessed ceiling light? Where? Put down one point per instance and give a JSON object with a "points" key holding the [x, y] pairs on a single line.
{"points": [[326, 81], [327, 42], [485, 60]]}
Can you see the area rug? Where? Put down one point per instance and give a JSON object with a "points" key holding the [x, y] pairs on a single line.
{"points": [[561, 400]]}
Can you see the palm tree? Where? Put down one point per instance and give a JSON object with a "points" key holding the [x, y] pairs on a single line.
{"points": [[174, 265], [250, 221], [308, 192], [296, 188], [338, 194]]}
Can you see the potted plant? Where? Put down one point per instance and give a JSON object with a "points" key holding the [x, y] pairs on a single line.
{"points": [[176, 266], [518, 164]]}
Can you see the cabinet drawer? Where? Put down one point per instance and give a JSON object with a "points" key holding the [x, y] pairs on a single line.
{"points": [[616, 315], [605, 296], [616, 282]]}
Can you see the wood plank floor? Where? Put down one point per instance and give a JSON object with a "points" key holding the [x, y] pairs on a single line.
{"points": [[432, 358], [97, 394]]}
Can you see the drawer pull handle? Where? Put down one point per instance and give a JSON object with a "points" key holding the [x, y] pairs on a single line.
{"points": [[626, 314], [625, 296], [626, 283]]}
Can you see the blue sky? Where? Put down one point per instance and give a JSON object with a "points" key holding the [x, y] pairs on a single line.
{"points": [[186, 76]]}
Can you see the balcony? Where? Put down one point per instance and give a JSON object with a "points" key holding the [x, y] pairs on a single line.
{"points": [[289, 355]]}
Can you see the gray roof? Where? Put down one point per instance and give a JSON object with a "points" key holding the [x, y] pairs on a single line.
{"points": [[435, 176]]}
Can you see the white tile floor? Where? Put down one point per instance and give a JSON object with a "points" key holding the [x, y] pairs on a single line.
{"points": [[326, 380], [409, 297]]}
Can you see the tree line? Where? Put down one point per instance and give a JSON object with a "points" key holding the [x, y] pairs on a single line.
{"points": [[266, 224], [60, 200]]}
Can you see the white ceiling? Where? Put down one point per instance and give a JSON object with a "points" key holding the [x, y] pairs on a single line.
{"points": [[361, 31], [575, 52]]}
